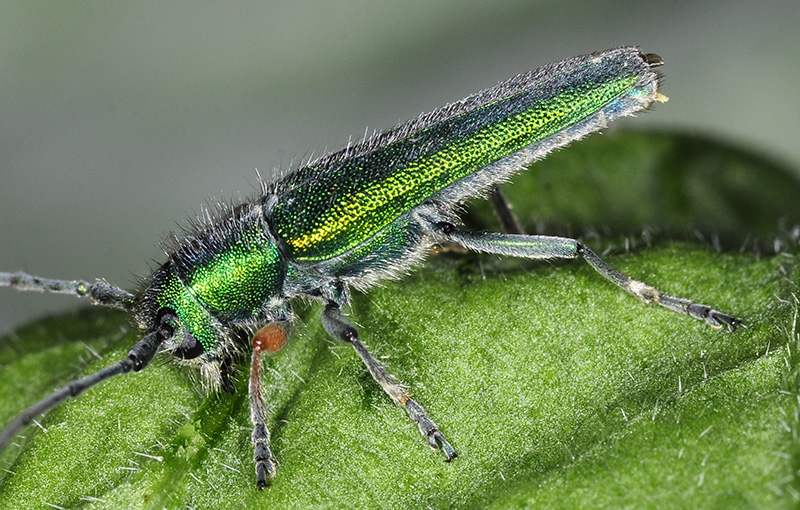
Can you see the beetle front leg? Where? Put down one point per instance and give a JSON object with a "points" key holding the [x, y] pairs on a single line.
{"points": [[268, 339], [341, 329]]}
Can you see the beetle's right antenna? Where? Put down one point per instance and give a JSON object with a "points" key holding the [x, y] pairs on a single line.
{"points": [[101, 292], [137, 359]]}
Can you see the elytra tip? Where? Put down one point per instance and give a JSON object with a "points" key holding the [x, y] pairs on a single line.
{"points": [[653, 60]]}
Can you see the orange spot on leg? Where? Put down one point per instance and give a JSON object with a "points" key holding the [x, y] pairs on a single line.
{"points": [[271, 338]]}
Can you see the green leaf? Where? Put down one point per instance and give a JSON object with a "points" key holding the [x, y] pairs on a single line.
{"points": [[556, 388]]}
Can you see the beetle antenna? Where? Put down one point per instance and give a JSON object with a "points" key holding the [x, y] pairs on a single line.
{"points": [[101, 292], [138, 357]]}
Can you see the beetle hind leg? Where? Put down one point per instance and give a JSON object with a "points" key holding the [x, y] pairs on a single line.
{"points": [[550, 247]]}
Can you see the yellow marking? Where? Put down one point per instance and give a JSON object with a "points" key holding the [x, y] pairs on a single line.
{"points": [[352, 207]]}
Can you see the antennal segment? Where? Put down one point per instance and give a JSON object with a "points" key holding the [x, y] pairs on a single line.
{"points": [[101, 292], [138, 357]]}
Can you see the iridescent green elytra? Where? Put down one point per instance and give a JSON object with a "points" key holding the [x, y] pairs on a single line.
{"points": [[336, 204], [365, 213]]}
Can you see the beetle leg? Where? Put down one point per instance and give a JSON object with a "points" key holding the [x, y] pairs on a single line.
{"points": [[342, 330], [264, 341], [504, 212], [549, 247]]}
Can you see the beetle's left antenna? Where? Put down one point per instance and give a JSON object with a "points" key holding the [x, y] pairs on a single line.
{"points": [[100, 292], [137, 359]]}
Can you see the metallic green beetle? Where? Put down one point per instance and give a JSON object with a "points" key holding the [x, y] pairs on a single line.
{"points": [[368, 212]]}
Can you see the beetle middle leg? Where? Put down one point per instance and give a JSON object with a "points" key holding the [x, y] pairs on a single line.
{"points": [[342, 330], [504, 212]]}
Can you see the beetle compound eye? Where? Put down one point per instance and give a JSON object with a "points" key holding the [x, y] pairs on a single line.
{"points": [[168, 326], [190, 348]]}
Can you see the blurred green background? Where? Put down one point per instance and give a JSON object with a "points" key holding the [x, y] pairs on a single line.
{"points": [[117, 120]]}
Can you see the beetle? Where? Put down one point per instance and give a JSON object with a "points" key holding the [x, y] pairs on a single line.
{"points": [[350, 219]]}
